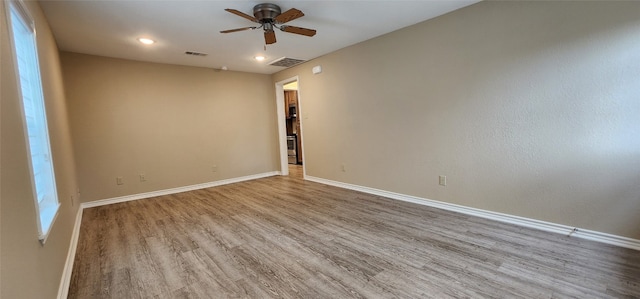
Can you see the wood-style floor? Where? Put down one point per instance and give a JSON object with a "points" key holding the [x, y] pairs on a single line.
{"points": [[282, 237]]}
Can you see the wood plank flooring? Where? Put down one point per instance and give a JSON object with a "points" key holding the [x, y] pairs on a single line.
{"points": [[282, 237]]}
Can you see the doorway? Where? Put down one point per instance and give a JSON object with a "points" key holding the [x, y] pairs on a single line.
{"points": [[290, 127]]}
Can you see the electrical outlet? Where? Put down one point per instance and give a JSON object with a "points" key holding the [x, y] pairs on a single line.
{"points": [[119, 181], [343, 168], [143, 178], [214, 168], [442, 180]]}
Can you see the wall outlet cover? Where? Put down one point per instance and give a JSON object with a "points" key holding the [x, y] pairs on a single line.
{"points": [[442, 180]]}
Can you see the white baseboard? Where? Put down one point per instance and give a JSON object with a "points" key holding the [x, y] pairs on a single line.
{"points": [[506, 218], [113, 200], [63, 290]]}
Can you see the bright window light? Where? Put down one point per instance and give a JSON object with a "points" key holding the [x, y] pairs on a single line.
{"points": [[35, 118]]}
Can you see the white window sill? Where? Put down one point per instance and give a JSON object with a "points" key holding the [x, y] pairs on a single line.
{"points": [[47, 217]]}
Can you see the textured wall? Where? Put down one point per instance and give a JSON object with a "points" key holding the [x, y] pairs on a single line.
{"points": [[529, 108], [172, 123], [29, 269]]}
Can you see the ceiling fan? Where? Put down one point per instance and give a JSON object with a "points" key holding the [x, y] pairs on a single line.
{"points": [[269, 16]]}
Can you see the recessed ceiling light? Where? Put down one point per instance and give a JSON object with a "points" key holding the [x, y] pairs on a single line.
{"points": [[146, 41], [259, 58]]}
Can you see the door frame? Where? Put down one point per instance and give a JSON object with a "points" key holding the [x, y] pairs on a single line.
{"points": [[282, 128]]}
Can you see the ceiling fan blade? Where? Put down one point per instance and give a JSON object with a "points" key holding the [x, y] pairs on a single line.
{"points": [[299, 30], [237, 29], [244, 15], [269, 37], [288, 15]]}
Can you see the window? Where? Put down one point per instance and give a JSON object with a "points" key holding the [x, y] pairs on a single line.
{"points": [[35, 120]]}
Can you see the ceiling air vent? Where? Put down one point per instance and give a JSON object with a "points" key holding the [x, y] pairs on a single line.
{"points": [[192, 53], [286, 62]]}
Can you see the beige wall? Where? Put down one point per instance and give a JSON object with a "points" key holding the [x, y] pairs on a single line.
{"points": [[28, 269], [172, 123], [528, 108]]}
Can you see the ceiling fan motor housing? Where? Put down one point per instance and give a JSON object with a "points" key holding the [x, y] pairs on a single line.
{"points": [[266, 12]]}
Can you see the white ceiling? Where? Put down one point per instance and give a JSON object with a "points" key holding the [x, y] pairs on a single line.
{"points": [[110, 28]]}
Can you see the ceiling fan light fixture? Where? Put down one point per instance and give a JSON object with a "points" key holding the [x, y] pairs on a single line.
{"points": [[146, 41]]}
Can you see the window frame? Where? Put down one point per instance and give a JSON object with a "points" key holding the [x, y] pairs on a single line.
{"points": [[48, 209]]}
